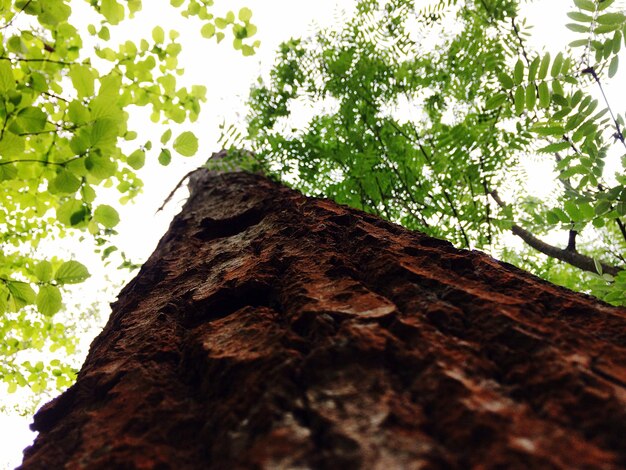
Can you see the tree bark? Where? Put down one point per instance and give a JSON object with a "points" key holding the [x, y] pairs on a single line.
{"points": [[274, 331]]}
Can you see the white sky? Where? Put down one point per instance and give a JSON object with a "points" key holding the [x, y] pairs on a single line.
{"points": [[227, 76]]}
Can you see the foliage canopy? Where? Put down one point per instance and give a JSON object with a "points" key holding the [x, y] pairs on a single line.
{"points": [[64, 135], [426, 116]]}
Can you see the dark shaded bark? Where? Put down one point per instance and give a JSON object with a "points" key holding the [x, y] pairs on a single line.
{"points": [[271, 330]]}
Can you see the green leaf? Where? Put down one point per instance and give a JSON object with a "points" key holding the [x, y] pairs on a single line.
{"points": [[137, 159], [602, 206], [556, 147], [579, 43], [552, 218], [71, 213], [7, 80], [543, 68], [49, 300], [597, 265], [548, 130], [65, 182], [578, 28], [613, 66], [544, 95], [245, 14], [165, 157], [532, 69], [100, 167], [221, 23], [21, 292], [112, 11], [585, 5], [519, 100], [611, 19], [31, 119], [186, 144], [495, 101], [518, 72], [82, 78], [176, 3], [106, 215], [166, 136], [71, 272], [572, 210], [208, 30], [531, 97], [556, 65], [506, 81], [604, 4], [158, 35], [43, 271], [578, 16]]}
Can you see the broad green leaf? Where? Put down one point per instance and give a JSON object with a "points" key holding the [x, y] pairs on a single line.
{"points": [[69, 211], [100, 167], [77, 112], [552, 218], [11, 145], [82, 78], [65, 182], [71, 272], [506, 81], [176, 3], [186, 144], [7, 80], [21, 292], [208, 30], [602, 206], [158, 35], [48, 300], [165, 157], [245, 14], [572, 210], [221, 23], [518, 72], [137, 159], [112, 11], [543, 68], [106, 215], [31, 119], [43, 271]]}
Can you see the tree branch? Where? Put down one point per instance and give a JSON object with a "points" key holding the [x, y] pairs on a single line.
{"points": [[580, 261]]}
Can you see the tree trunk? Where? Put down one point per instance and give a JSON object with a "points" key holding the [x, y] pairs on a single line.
{"points": [[274, 331]]}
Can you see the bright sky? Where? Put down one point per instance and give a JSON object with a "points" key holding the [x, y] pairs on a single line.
{"points": [[227, 76]]}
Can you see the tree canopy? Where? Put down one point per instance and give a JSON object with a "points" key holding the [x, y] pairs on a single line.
{"points": [[65, 135], [426, 115]]}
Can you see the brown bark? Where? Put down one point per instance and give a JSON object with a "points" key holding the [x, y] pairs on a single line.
{"points": [[270, 330]]}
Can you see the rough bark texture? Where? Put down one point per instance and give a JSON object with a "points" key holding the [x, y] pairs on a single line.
{"points": [[274, 331]]}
